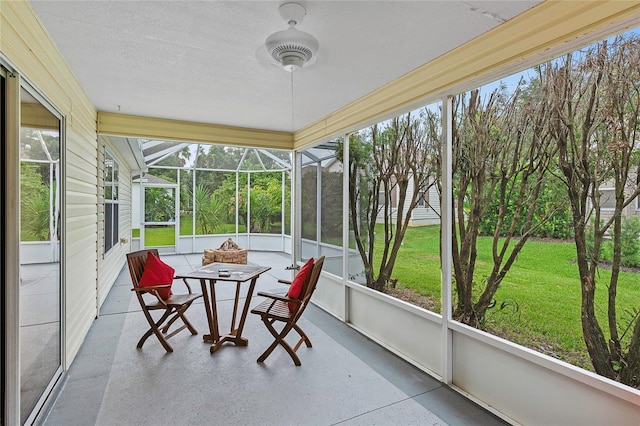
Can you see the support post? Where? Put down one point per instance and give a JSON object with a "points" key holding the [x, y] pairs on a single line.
{"points": [[446, 227]]}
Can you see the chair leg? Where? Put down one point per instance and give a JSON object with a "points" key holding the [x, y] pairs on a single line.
{"points": [[154, 330], [180, 314], [279, 340], [191, 328], [303, 336]]}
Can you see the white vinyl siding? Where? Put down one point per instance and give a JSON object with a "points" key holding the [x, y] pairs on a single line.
{"points": [[428, 209], [110, 263], [29, 48]]}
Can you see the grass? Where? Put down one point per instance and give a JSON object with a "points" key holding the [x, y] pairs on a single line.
{"points": [[159, 236], [165, 236], [542, 291]]}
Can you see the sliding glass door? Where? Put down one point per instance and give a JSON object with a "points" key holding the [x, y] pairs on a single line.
{"points": [[40, 313]]}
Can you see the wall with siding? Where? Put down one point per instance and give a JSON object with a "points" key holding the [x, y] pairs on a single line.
{"points": [[26, 46], [427, 215], [420, 216], [110, 264]]}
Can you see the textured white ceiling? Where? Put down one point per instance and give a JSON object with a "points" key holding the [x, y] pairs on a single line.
{"points": [[205, 61]]}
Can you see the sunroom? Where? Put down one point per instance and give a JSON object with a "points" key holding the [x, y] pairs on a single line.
{"points": [[111, 104]]}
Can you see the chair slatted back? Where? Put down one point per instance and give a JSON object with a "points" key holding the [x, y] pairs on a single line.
{"points": [[136, 261], [309, 287]]}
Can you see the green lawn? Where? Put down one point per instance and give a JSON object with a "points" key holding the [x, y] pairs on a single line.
{"points": [[543, 284], [160, 236], [165, 236]]}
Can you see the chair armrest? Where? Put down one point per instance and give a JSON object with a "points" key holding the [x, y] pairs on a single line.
{"points": [[151, 287], [153, 290], [186, 284], [287, 282], [273, 296]]}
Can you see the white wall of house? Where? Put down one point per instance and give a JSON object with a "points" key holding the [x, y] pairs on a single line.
{"points": [[25, 44], [27, 47], [110, 263], [608, 198], [427, 212], [424, 214]]}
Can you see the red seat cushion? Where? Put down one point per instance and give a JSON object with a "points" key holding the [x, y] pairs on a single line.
{"points": [[295, 290], [156, 272]]}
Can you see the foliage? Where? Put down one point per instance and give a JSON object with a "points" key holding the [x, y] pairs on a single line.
{"points": [[186, 191], [208, 211], [384, 162], [215, 199], [595, 122], [330, 204], [501, 154], [34, 203], [551, 219], [225, 192], [266, 201], [630, 242], [159, 205]]}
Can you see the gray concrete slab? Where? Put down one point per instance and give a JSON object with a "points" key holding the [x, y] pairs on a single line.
{"points": [[345, 378]]}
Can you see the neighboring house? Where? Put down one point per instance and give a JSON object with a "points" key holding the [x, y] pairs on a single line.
{"points": [[607, 201], [427, 212]]}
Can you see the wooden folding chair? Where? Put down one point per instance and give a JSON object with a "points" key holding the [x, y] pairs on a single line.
{"points": [[278, 308], [174, 306]]}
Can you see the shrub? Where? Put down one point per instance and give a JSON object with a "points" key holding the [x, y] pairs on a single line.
{"points": [[630, 242]]}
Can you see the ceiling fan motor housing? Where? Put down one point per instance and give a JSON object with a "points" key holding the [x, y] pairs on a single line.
{"points": [[292, 48]]}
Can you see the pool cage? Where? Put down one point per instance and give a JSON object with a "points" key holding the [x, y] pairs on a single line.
{"points": [[194, 196]]}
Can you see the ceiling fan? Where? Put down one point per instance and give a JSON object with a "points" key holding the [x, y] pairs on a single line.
{"points": [[292, 48]]}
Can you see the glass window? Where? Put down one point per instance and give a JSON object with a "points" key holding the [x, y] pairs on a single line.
{"points": [[111, 202], [607, 199]]}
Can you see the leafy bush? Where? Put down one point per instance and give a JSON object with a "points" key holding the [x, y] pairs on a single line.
{"points": [[159, 205], [552, 217], [209, 211], [34, 204], [630, 242]]}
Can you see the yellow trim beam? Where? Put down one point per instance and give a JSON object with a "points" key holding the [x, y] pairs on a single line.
{"points": [[531, 37], [158, 128]]}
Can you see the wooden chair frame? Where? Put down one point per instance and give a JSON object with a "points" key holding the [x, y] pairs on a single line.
{"points": [[275, 309], [174, 307]]}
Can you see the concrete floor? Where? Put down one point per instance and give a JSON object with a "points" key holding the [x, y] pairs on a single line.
{"points": [[345, 378]]}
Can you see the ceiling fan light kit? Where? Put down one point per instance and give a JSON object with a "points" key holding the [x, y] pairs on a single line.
{"points": [[292, 48]]}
